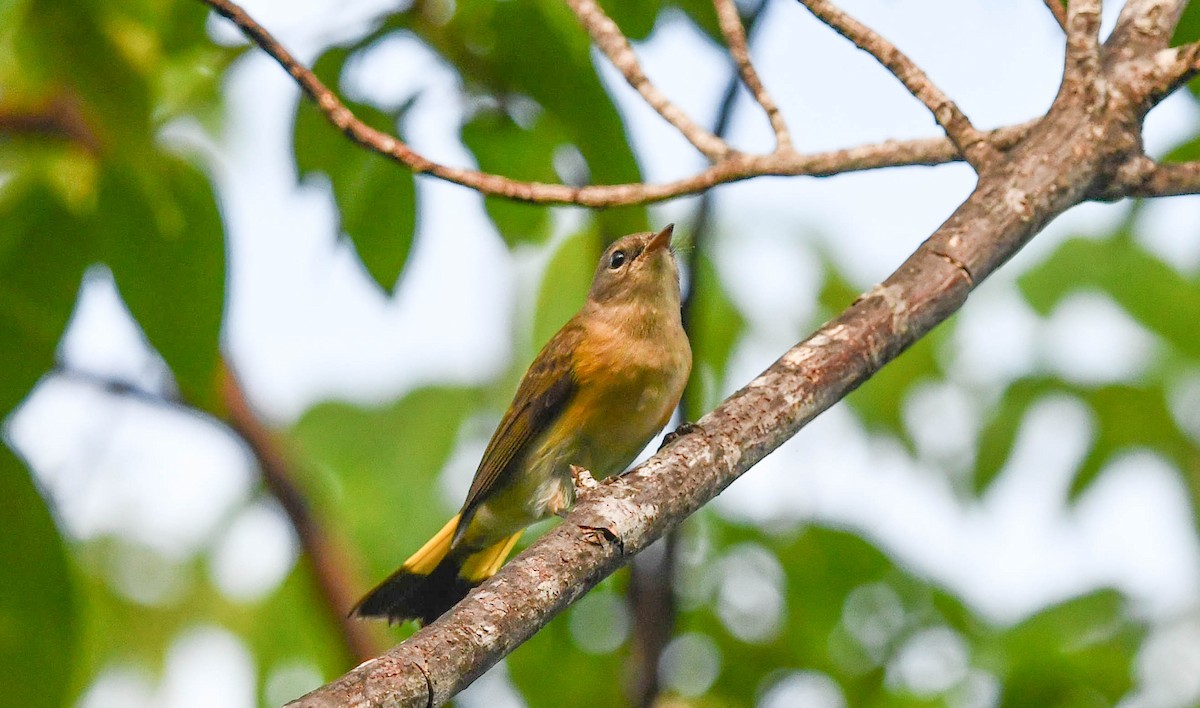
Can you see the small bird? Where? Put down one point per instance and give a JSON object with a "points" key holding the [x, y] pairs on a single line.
{"points": [[599, 390]]}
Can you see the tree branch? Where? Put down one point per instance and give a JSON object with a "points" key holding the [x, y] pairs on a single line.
{"points": [[610, 40], [1083, 43], [970, 143], [1146, 25], [1076, 146], [1142, 177], [739, 49]]}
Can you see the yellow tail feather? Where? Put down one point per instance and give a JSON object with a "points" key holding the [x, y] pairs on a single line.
{"points": [[484, 564], [435, 549]]}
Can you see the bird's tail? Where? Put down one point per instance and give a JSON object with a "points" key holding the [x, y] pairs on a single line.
{"points": [[432, 580]]}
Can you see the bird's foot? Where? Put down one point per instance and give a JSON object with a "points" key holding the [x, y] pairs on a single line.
{"points": [[583, 480], [684, 428]]}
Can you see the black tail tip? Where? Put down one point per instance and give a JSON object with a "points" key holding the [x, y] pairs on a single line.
{"points": [[408, 596]]}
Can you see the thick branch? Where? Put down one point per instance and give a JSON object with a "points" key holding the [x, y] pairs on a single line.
{"points": [[1076, 146], [739, 49], [1142, 177], [1146, 25], [929, 151], [610, 40], [1083, 42], [1045, 175], [1169, 180], [971, 143]]}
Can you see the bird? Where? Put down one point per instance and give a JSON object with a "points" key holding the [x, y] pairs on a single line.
{"points": [[598, 391]]}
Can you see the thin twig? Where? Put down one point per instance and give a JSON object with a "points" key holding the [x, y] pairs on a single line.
{"points": [[971, 143], [1059, 11], [610, 40], [892, 153], [330, 566], [735, 39]]}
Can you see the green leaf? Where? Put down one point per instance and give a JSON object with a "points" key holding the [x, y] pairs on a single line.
{"points": [[502, 147], [565, 284], [635, 17], [37, 604], [1078, 653], [163, 239], [74, 48], [42, 259], [701, 13], [999, 431], [1126, 417], [1188, 29], [555, 646], [376, 197], [1185, 152], [1137, 281], [714, 328], [373, 472]]}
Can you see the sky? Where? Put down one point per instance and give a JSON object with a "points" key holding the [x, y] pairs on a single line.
{"points": [[304, 325]]}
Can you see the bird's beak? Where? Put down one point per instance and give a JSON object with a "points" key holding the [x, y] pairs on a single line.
{"points": [[661, 240]]}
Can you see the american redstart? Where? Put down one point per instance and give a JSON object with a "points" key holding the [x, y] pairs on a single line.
{"points": [[599, 390]]}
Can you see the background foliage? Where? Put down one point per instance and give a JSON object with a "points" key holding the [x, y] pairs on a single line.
{"points": [[767, 613]]}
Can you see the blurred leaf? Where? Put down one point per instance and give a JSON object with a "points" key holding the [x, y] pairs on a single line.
{"points": [[37, 604], [289, 624], [1186, 152], [1188, 29], [714, 329], [823, 567], [42, 260], [565, 284], [163, 238], [879, 403], [552, 671], [999, 432], [635, 17], [502, 147], [376, 197], [701, 13], [63, 43], [1079, 653], [1138, 282], [1126, 418], [374, 472]]}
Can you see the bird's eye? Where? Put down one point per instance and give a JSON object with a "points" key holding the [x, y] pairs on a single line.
{"points": [[616, 260]]}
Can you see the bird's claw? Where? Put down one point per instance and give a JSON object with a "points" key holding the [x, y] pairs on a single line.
{"points": [[684, 428], [583, 479]]}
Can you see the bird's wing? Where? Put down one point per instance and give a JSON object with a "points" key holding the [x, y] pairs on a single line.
{"points": [[542, 395]]}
